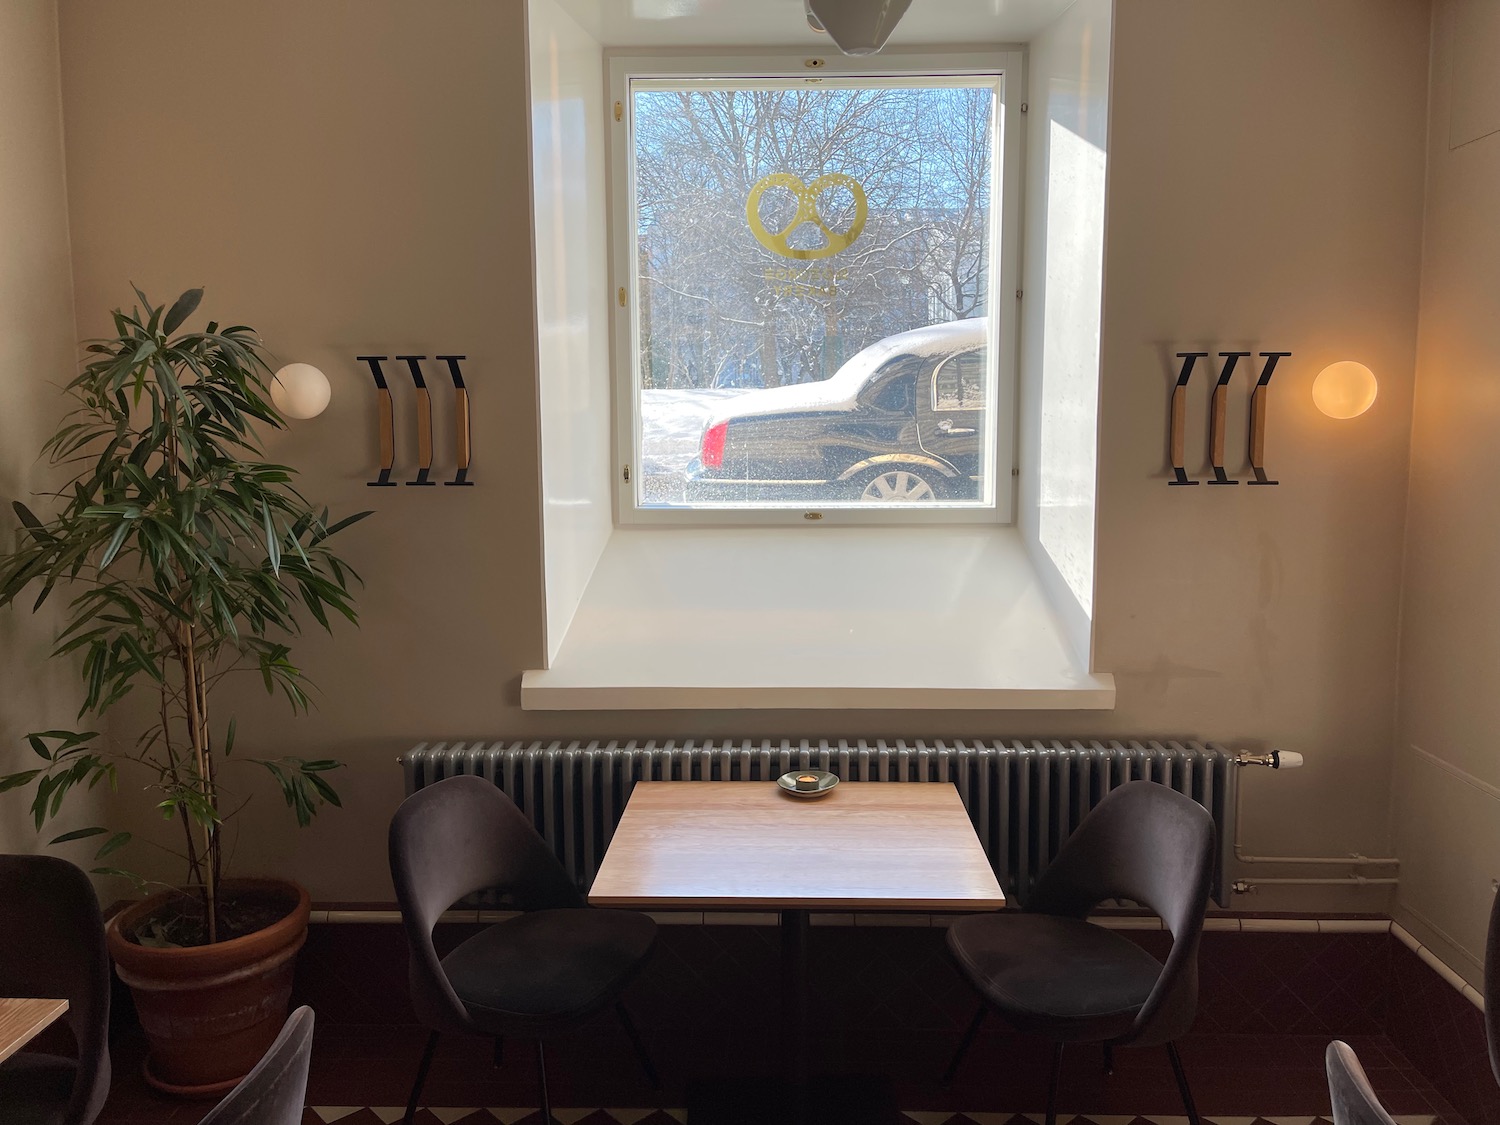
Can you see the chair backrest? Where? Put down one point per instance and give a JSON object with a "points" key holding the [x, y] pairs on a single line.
{"points": [[1354, 1102], [450, 840], [1492, 988], [274, 1091], [1152, 845], [52, 945]]}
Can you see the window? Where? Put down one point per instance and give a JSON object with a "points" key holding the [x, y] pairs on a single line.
{"points": [[958, 383], [808, 270]]}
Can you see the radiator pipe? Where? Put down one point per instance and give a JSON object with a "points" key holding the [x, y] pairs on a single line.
{"points": [[1284, 760], [1248, 886]]}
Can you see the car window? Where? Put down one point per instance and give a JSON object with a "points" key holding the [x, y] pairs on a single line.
{"points": [[897, 395], [958, 383]]}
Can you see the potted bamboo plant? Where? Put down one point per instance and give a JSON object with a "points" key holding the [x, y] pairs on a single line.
{"points": [[186, 559]]}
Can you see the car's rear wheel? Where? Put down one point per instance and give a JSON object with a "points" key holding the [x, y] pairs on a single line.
{"points": [[895, 485]]}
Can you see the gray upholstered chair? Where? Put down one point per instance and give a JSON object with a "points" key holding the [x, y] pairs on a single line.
{"points": [[52, 945], [539, 973], [1354, 1101], [274, 1091], [1052, 973]]}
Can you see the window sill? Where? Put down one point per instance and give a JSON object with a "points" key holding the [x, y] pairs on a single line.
{"points": [[949, 618]]}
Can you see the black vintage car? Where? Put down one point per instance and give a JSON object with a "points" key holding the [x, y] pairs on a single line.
{"points": [[901, 422]]}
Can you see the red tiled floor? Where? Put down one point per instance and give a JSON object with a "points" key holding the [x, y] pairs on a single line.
{"points": [[1231, 1075]]}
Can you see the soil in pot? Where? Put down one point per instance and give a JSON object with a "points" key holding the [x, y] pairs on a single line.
{"points": [[182, 921]]}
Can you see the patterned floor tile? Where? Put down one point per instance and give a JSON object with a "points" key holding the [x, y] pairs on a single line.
{"points": [[446, 1115]]}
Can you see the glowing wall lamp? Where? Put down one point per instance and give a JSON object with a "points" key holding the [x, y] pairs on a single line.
{"points": [[1344, 390], [300, 390]]}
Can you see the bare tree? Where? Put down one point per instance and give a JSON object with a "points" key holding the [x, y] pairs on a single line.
{"points": [[719, 308]]}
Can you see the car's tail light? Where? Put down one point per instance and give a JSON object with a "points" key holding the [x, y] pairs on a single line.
{"points": [[713, 445]]}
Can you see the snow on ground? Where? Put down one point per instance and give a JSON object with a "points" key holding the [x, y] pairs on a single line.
{"points": [[672, 424]]}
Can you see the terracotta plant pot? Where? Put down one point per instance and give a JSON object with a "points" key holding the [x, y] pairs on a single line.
{"points": [[210, 1011]]}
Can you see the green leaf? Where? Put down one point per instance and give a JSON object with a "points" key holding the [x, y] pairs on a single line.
{"points": [[120, 873], [325, 790], [113, 844], [25, 516], [181, 310], [115, 541], [273, 547], [69, 737], [77, 834], [319, 536], [38, 747], [229, 737], [16, 780]]}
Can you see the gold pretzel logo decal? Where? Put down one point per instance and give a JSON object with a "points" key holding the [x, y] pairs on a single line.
{"points": [[807, 212]]}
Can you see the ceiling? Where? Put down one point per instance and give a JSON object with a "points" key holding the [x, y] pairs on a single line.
{"points": [[781, 23]]}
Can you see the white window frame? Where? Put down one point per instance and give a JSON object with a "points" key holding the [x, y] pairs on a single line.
{"points": [[1008, 63]]}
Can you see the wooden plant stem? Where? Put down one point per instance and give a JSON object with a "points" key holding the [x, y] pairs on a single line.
{"points": [[205, 779], [213, 781], [187, 825]]}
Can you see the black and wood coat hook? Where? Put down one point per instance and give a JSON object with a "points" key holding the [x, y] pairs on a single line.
{"points": [[1218, 415], [1218, 418], [424, 421], [386, 421], [385, 410], [1258, 418], [463, 434], [1177, 432]]}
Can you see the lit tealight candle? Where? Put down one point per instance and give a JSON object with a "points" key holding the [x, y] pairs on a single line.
{"points": [[807, 781]]}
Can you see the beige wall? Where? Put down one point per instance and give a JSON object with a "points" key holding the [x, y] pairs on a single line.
{"points": [[349, 177], [1265, 192], [1447, 794], [36, 359], [353, 176]]}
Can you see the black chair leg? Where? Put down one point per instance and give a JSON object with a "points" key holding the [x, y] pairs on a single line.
{"points": [[640, 1047], [541, 1084], [965, 1044], [499, 1056], [1109, 1059], [416, 1089], [1182, 1084], [1052, 1087]]}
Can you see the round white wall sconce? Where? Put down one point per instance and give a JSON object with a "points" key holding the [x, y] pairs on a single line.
{"points": [[300, 390], [1344, 390]]}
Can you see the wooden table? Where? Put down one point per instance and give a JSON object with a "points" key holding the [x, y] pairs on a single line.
{"points": [[867, 846], [21, 1020]]}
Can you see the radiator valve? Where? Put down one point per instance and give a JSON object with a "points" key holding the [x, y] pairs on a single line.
{"points": [[1276, 759], [1240, 887]]}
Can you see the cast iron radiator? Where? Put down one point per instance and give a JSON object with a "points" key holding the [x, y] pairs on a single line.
{"points": [[1024, 798]]}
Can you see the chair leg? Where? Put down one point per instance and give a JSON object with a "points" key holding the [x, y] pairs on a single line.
{"points": [[965, 1044], [499, 1056], [541, 1084], [1052, 1087], [1109, 1059], [416, 1088], [640, 1047], [1182, 1084]]}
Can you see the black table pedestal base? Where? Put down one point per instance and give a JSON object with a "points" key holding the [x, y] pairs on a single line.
{"points": [[864, 1100], [793, 1096]]}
